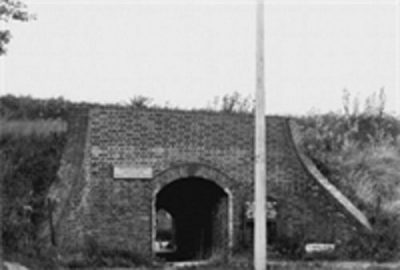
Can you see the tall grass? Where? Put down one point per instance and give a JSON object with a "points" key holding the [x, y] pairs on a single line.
{"points": [[30, 153], [38, 127], [359, 151], [374, 174]]}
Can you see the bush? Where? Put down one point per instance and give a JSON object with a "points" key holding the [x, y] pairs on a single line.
{"points": [[28, 167], [361, 160], [291, 248], [101, 256], [382, 244], [360, 153], [26, 107]]}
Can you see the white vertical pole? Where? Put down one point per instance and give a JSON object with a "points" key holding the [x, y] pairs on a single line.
{"points": [[260, 222], [397, 61]]}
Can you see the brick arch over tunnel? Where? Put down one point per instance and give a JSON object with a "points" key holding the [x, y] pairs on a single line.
{"points": [[199, 199]]}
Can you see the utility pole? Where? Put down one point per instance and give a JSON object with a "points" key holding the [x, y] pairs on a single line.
{"points": [[260, 221]]}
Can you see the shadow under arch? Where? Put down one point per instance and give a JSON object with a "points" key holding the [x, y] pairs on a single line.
{"points": [[200, 202]]}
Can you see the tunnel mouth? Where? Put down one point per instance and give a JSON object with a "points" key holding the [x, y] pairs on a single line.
{"points": [[192, 220]]}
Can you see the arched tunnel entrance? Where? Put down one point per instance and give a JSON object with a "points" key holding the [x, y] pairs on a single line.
{"points": [[197, 220]]}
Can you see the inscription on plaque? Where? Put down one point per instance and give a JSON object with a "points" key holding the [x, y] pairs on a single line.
{"points": [[319, 247], [132, 172]]}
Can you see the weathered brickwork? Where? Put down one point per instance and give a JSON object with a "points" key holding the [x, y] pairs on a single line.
{"points": [[119, 213]]}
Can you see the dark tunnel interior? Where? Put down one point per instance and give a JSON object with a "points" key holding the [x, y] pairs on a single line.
{"points": [[199, 212]]}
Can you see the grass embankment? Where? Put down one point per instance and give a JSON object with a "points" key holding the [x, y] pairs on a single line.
{"points": [[360, 153], [39, 128], [30, 152]]}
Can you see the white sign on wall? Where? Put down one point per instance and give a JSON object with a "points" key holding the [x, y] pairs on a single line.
{"points": [[319, 247], [132, 172]]}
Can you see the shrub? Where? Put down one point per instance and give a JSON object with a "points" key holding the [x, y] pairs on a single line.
{"points": [[102, 256], [29, 165], [360, 153], [382, 244], [233, 102], [21, 128]]}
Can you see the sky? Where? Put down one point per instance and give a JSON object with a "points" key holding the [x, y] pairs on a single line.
{"points": [[187, 52]]}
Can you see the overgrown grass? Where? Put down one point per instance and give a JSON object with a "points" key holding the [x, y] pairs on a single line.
{"points": [[37, 262], [38, 127], [96, 255], [360, 153], [29, 159], [363, 162]]}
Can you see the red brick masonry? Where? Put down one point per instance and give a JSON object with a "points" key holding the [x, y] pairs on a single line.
{"points": [[90, 205]]}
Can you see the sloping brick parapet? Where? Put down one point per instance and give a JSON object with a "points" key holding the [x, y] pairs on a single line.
{"points": [[336, 193], [63, 225]]}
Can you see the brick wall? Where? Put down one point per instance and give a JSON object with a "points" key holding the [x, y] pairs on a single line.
{"points": [[118, 213]]}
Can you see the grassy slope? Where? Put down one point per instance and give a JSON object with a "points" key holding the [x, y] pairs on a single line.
{"points": [[360, 153], [29, 157]]}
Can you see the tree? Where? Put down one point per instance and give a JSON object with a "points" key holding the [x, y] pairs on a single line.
{"points": [[11, 10]]}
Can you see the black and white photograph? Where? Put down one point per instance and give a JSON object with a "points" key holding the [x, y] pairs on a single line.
{"points": [[200, 134]]}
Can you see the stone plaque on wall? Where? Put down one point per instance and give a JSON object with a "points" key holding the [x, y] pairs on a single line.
{"points": [[319, 247], [132, 172]]}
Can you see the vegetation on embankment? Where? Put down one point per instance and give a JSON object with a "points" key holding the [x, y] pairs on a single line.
{"points": [[358, 150], [29, 159], [32, 136]]}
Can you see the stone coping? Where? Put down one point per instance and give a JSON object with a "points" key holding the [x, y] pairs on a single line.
{"points": [[325, 183]]}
